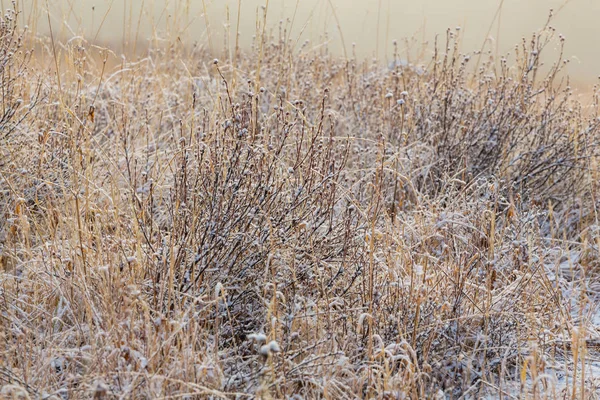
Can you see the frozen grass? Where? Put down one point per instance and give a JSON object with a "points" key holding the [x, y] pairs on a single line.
{"points": [[287, 224]]}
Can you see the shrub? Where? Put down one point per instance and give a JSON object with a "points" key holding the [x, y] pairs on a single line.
{"points": [[285, 223]]}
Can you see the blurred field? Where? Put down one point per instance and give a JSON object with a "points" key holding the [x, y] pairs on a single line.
{"points": [[371, 24], [279, 219]]}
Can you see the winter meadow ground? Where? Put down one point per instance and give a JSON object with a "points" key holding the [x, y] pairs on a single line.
{"points": [[283, 223]]}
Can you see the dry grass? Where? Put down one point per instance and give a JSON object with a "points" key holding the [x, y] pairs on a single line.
{"points": [[287, 224]]}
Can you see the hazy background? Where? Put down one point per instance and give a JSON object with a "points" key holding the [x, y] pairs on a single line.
{"points": [[371, 24]]}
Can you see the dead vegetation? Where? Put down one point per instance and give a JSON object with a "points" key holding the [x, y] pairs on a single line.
{"points": [[288, 224]]}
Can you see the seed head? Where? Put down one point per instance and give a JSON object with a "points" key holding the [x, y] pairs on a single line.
{"points": [[258, 337], [274, 346], [264, 350]]}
